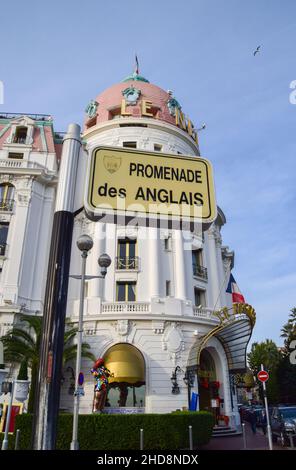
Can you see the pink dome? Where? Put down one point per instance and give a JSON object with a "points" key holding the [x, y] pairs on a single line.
{"points": [[109, 103]]}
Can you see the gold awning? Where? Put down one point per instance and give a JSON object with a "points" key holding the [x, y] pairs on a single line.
{"points": [[126, 363], [234, 332]]}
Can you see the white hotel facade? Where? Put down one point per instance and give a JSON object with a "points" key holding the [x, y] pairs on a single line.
{"points": [[152, 318]]}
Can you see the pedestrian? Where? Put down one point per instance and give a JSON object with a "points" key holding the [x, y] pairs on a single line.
{"points": [[264, 421], [253, 421]]}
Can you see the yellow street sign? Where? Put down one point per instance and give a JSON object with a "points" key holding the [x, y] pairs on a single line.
{"points": [[150, 184]]}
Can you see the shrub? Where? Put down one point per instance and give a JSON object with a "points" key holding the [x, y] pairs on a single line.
{"points": [[122, 432], [23, 372]]}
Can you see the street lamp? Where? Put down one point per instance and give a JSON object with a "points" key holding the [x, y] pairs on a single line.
{"points": [[10, 388], [174, 380], [84, 244]]}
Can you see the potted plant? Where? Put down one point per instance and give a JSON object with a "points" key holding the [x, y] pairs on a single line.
{"points": [[22, 383]]}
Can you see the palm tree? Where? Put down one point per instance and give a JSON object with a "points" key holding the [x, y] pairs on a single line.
{"points": [[23, 342], [266, 353], [289, 330]]}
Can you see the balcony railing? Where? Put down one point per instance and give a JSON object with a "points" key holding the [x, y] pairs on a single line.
{"points": [[205, 313], [19, 163], [20, 140], [6, 205], [200, 271], [125, 307], [3, 249], [127, 262]]}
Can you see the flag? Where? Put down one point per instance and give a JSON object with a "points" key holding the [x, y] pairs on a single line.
{"points": [[233, 289], [137, 66]]}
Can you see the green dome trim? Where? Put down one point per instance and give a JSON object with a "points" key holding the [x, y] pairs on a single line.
{"points": [[135, 76]]}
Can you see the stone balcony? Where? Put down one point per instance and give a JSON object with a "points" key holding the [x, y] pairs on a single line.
{"points": [[158, 308]]}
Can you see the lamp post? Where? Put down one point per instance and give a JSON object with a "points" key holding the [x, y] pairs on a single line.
{"points": [[174, 380], [84, 244], [5, 440]]}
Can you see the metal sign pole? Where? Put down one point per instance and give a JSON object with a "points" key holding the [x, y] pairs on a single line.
{"points": [[74, 443], [267, 414], [52, 338]]}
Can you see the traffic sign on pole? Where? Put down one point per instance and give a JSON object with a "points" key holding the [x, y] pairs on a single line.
{"points": [[263, 376]]}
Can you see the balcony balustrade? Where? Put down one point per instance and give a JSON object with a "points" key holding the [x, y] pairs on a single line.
{"points": [[127, 262], [6, 205], [200, 271]]}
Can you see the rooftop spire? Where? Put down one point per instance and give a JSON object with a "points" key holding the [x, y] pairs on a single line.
{"points": [[136, 65], [135, 75]]}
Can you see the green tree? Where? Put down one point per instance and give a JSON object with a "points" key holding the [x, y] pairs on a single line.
{"points": [[289, 330], [268, 354], [22, 342], [287, 370]]}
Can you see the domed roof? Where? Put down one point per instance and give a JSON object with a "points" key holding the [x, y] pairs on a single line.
{"points": [[135, 76], [133, 97]]}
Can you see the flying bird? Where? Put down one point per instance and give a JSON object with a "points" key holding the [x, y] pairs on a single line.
{"points": [[257, 50]]}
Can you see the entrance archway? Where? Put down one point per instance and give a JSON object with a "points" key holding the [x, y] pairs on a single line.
{"points": [[127, 385], [207, 380]]}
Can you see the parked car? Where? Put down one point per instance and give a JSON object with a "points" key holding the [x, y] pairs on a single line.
{"points": [[283, 424]]}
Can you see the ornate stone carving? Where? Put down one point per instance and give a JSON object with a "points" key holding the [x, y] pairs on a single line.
{"points": [[125, 329], [91, 108], [172, 104], [173, 341], [214, 232], [23, 198], [158, 327], [131, 95]]}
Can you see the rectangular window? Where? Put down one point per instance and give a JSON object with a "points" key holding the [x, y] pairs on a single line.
{"points": [[157, 148], [130, 145], [197, 265], [199, 297], [126, 292], [168, 291], [3, 237], [126, 254], [197, 257], [17, 156]]}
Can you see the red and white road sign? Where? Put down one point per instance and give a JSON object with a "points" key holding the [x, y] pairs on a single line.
{"points": [[263, 376]]}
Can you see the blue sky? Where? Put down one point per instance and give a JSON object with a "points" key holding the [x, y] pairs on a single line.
{"points": [[55, 56]]}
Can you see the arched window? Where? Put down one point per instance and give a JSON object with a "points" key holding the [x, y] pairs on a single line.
{"points": [[20, 135], [6, 196]]}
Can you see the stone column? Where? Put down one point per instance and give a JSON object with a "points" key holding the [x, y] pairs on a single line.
{"points": [[99, 238], [16, 241], [179, 265], [154, 260], [213, 268]]}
